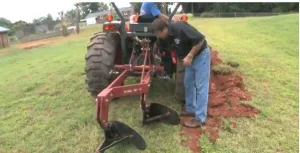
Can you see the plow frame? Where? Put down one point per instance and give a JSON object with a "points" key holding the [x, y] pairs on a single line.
{"points": [[116, 132], [115, 89]]}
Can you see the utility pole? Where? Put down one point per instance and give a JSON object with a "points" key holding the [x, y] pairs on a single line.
{"points": [[193, 8], [77, 16]]}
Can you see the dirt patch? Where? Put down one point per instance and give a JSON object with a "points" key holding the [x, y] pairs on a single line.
{"points": [[192, 135], [35, 44], [4, 51], [225, 93]]}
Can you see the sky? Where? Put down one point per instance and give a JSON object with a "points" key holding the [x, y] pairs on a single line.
{"points": [[27, 10]]}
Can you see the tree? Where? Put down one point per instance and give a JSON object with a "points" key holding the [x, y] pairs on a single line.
{"points": [[49, 21], [91, 7], [96, 7], [63, 24], [71, 16], [240, 7], [19, 25], [5, 23], [136, 5]]}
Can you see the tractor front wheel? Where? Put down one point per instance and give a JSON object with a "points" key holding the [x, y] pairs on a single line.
{"points": [[100, 60]]}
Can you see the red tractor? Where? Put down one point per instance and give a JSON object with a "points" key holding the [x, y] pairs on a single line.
{"points": [[111, 57]]}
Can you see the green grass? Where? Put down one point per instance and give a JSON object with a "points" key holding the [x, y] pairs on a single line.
{"points": [[222, 68], [45, 108], [267, 51]]}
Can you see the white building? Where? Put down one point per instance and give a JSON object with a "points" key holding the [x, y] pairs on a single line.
{"points": [[93, 18], [100, 17]]}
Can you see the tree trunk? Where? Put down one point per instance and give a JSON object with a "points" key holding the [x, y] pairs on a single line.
{"points": [[164, 8], [63, 24]]}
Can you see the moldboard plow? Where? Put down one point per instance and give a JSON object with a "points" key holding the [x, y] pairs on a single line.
{"points": [[116, 131], [107, 67]]}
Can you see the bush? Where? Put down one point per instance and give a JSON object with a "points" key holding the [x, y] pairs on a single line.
{"points": [[13, 38], [277, 10]]}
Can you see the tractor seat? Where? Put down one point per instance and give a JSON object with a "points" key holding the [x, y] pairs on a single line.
{"points": [[145, 19], [143, 24]]}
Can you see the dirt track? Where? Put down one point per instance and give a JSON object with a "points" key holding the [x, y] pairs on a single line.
{"points": [[34, 44], [225, 94]]}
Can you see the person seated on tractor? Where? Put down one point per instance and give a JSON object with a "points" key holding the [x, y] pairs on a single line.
{"points": [[148, 13], [192, 48]]}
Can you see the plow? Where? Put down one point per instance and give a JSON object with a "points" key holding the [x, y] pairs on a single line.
{"points": [[116, 131], [112, 56]]}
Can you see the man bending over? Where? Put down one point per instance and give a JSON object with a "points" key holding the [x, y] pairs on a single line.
{"points": [[192, 48]]}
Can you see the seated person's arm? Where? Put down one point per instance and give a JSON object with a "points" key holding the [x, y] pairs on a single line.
{"points": [[163, 16], [156, 12]]}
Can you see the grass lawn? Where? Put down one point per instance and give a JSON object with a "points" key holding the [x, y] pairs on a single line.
{"points": [[45, 107]]}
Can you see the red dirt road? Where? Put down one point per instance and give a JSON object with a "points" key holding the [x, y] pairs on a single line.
{"points": [[225, 94], [35, 44]]}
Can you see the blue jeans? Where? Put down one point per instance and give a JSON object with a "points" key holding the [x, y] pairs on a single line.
{"points": [[196, 83]]}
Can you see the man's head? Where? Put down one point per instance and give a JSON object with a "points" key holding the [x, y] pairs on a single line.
{"points": [[161, 28]]}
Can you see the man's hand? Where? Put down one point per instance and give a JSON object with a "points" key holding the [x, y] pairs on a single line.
{"points": [[157, 57], [187, 61]]}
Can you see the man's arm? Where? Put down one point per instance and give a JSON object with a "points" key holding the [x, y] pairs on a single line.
{"points": [[195, 37], [195, 49]]}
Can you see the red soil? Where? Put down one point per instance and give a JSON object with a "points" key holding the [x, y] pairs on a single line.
{"points": [[226, 92], [35, 44]]}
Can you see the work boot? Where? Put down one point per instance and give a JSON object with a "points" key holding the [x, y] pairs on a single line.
{"points": [[193, 123], [184, 113]]}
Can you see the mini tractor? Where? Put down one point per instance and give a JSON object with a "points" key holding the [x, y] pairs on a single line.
{"points": [[111, 57]]}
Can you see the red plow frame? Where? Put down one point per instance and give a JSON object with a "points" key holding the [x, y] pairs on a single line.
{"points": [[115, 131]]}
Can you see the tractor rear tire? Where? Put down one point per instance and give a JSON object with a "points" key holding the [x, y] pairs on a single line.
{"points": [[100, 60]]}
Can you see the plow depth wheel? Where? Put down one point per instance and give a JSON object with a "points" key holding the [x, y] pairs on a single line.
{"points": [[100, 59]]}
